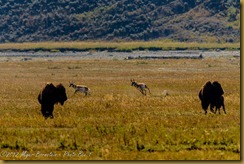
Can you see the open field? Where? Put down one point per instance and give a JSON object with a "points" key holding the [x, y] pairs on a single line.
{"points": [[116, 122]]}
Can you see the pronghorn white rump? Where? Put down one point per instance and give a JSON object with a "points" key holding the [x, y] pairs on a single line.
{"points": [[140, 86], [80, 88]]}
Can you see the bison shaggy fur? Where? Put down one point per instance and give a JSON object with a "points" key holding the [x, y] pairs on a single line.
{"points": [[211, 94], [49, 96]]}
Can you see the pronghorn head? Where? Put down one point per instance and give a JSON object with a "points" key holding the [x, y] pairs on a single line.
{"points": [[71, 83], [133, 82]]}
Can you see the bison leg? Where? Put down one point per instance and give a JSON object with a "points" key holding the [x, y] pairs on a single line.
{"points": [[216, 109], [224, 108], [205, 106]]}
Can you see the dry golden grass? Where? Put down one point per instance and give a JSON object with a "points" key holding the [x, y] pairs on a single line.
{"points": [[116, 121], [120, 46]]}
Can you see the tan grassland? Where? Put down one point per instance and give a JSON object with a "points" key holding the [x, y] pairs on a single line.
{"points": [[116, 122]]}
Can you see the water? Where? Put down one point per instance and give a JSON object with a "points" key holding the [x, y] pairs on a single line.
{"points": [[25, 56]]}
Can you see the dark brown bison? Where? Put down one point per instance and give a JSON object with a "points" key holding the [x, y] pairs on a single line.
{"points": [[49, 96], [211, 94]]}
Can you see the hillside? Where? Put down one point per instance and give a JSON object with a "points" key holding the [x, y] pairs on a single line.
{"points": [[80, 20]]}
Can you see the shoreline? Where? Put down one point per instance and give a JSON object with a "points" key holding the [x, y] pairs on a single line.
{"points": [[100, 55]]}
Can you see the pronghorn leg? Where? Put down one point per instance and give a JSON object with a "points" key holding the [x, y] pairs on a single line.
{"points": [[148, 89], [139, 89], [142, 91], [87, 92], [76, 91]]}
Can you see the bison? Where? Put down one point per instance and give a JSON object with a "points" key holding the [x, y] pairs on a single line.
{"points": [[211, 94], [49, 96]]}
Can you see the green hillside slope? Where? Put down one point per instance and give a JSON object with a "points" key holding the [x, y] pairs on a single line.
{"points": [[80, 20]]}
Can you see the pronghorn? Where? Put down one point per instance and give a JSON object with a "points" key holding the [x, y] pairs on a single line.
{"points": [[80, 88], [140, 86]]}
